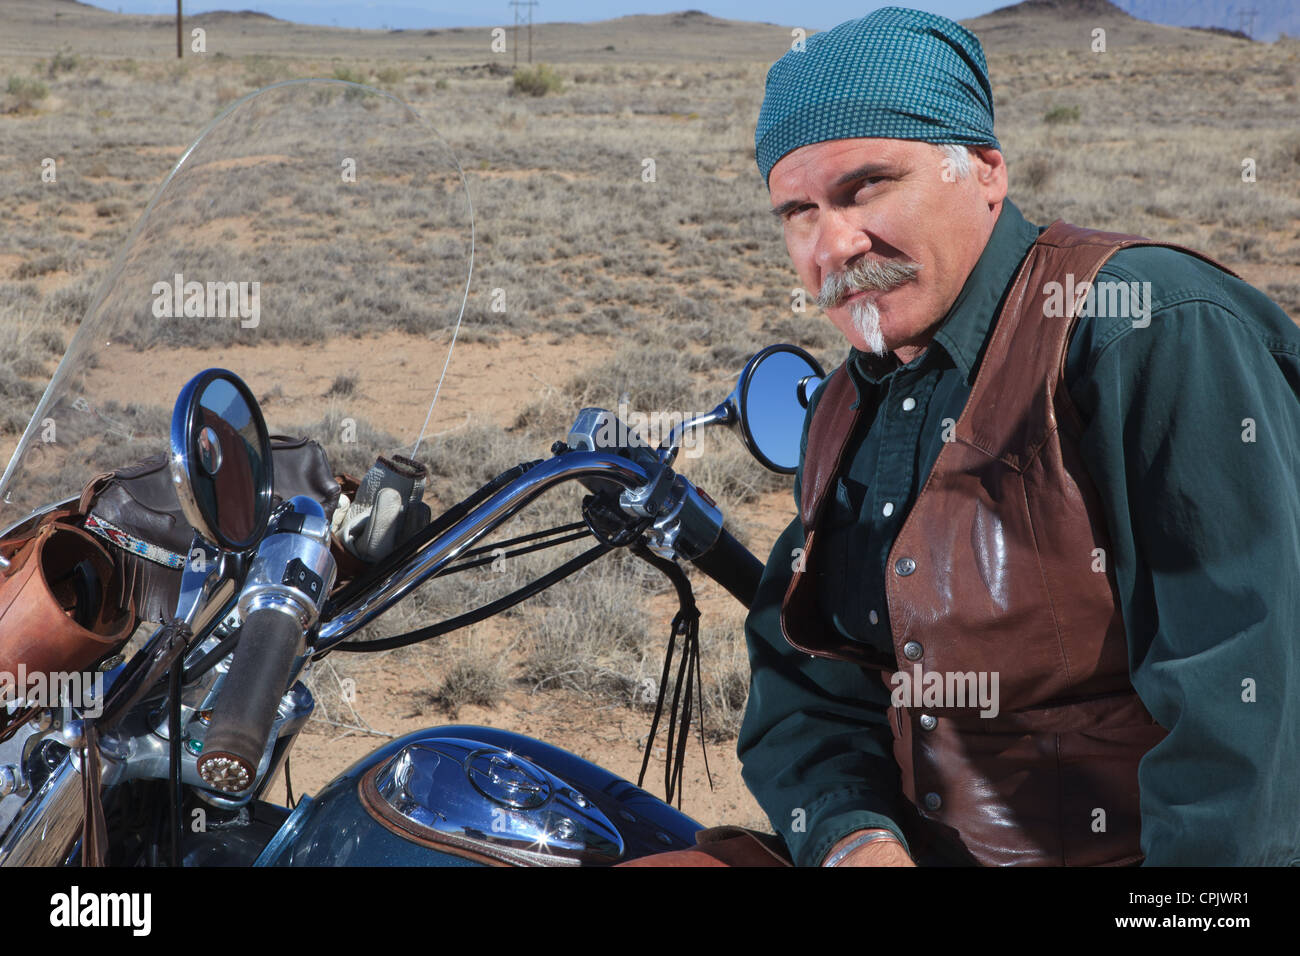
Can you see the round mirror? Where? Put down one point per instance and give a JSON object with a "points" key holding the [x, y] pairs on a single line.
{"points": [[221, 460], [771, 401]]}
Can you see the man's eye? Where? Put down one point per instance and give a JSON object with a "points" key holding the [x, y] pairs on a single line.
{"points": [[869, 182]]}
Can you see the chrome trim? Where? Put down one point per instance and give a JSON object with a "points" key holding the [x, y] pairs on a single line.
{"points": [[340, 824], [507, 502], [265, 585], [13, 756], [178, 462], [206, 589], [11, 779], [181, 466], [146, 752], [724, 414], [49, 824], [689, 525], [138, 746], [480, 797], [598, 429]]}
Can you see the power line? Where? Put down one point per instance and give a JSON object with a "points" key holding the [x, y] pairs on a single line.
{"points": [[529, 4]]}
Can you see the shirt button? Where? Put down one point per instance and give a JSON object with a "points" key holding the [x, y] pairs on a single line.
{"points": [[913, 651], [888, 509], [904, 566], [873, 617], [928, 721], [933, 801], [909, 404]]}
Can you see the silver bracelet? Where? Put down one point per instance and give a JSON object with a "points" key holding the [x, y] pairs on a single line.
{"points": [[863, 840]]}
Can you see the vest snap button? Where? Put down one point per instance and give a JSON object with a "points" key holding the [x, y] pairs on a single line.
{"points": [[909, 403], [905, 566], [928, 721], [933, 801], [913, 651], [873, 617]]}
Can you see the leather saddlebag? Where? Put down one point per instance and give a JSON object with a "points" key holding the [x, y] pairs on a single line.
{"points": [[59, 602], [135, 509]]}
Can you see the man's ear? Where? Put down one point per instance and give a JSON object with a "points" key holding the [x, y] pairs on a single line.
{"points": [[990, 171]]}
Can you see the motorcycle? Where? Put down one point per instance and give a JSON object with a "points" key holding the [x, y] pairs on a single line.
{"points": [[309, 222]]}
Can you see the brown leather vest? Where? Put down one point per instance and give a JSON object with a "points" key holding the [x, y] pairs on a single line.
{"points": [[996, 570]]}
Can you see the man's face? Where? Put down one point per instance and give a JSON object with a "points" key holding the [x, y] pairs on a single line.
{"points": [[888, 217]]}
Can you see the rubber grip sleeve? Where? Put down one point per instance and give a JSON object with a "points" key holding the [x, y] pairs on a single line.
{"points": [[250, 694]]}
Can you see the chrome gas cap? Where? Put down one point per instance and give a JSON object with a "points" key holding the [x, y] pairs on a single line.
{"points": [[491, 802], [507, 779]]}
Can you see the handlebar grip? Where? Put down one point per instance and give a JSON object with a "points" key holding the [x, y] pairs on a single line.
{"points": [[732, 565], [250, 695]]}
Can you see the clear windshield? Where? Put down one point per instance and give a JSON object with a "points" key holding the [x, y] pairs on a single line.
{"points": [[317, 240]]}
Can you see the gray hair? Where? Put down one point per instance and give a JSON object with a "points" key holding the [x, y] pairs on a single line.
{"points": [[960, 157]]}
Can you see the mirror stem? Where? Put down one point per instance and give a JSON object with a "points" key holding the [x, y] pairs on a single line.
{"points": [[724, 414]]}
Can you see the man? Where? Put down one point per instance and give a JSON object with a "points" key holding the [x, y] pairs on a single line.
{"points": [[1081, 508]]}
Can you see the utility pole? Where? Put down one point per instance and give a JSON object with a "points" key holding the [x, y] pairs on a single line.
{"points": [[529, 4], [1243, 18], [180, 47]]}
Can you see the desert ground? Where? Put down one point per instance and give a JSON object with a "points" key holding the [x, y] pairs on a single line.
{"points": [[616, 284]]}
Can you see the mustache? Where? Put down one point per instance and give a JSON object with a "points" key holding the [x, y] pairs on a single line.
{"points": [[866, 275]]}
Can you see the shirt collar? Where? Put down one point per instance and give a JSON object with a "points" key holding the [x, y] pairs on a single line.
{"points": [[962, 334]]}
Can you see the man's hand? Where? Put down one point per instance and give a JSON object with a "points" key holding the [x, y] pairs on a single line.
{"points": [[887, 852]]}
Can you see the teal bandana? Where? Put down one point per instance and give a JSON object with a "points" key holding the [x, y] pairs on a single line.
{"points": [[893, 74]]}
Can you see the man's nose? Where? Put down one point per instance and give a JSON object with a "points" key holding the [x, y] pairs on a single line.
{"points": [[840, 241]]}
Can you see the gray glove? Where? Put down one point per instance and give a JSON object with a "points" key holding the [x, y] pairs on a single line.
{"points": [[388, 509]]}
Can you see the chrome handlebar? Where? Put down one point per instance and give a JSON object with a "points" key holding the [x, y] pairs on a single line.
{"points": [[685, 522]]}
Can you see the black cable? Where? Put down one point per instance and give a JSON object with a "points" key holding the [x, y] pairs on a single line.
{"points": [[205, 664], [492, 556], [174, 758], [532, 536], [622, 535], [686, 624], [597, 513], [365, 581], [288, 784], [479, 614]]}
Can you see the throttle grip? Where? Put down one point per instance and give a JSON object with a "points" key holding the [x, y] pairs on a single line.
{"points": [[291, 574], [259, 673]]}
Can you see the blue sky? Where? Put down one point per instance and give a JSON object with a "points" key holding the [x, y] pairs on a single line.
{"points": [[410, 14]]}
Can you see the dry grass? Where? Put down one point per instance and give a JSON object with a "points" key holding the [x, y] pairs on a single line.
{"points": [[476, 677], [726, 677], [536, 81]]}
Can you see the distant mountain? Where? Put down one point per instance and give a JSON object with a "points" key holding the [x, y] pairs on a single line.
{"points": [[1061, 8], [1270, 17]]}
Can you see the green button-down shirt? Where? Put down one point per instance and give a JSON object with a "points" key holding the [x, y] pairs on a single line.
{"points": [[1191, 404]]}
